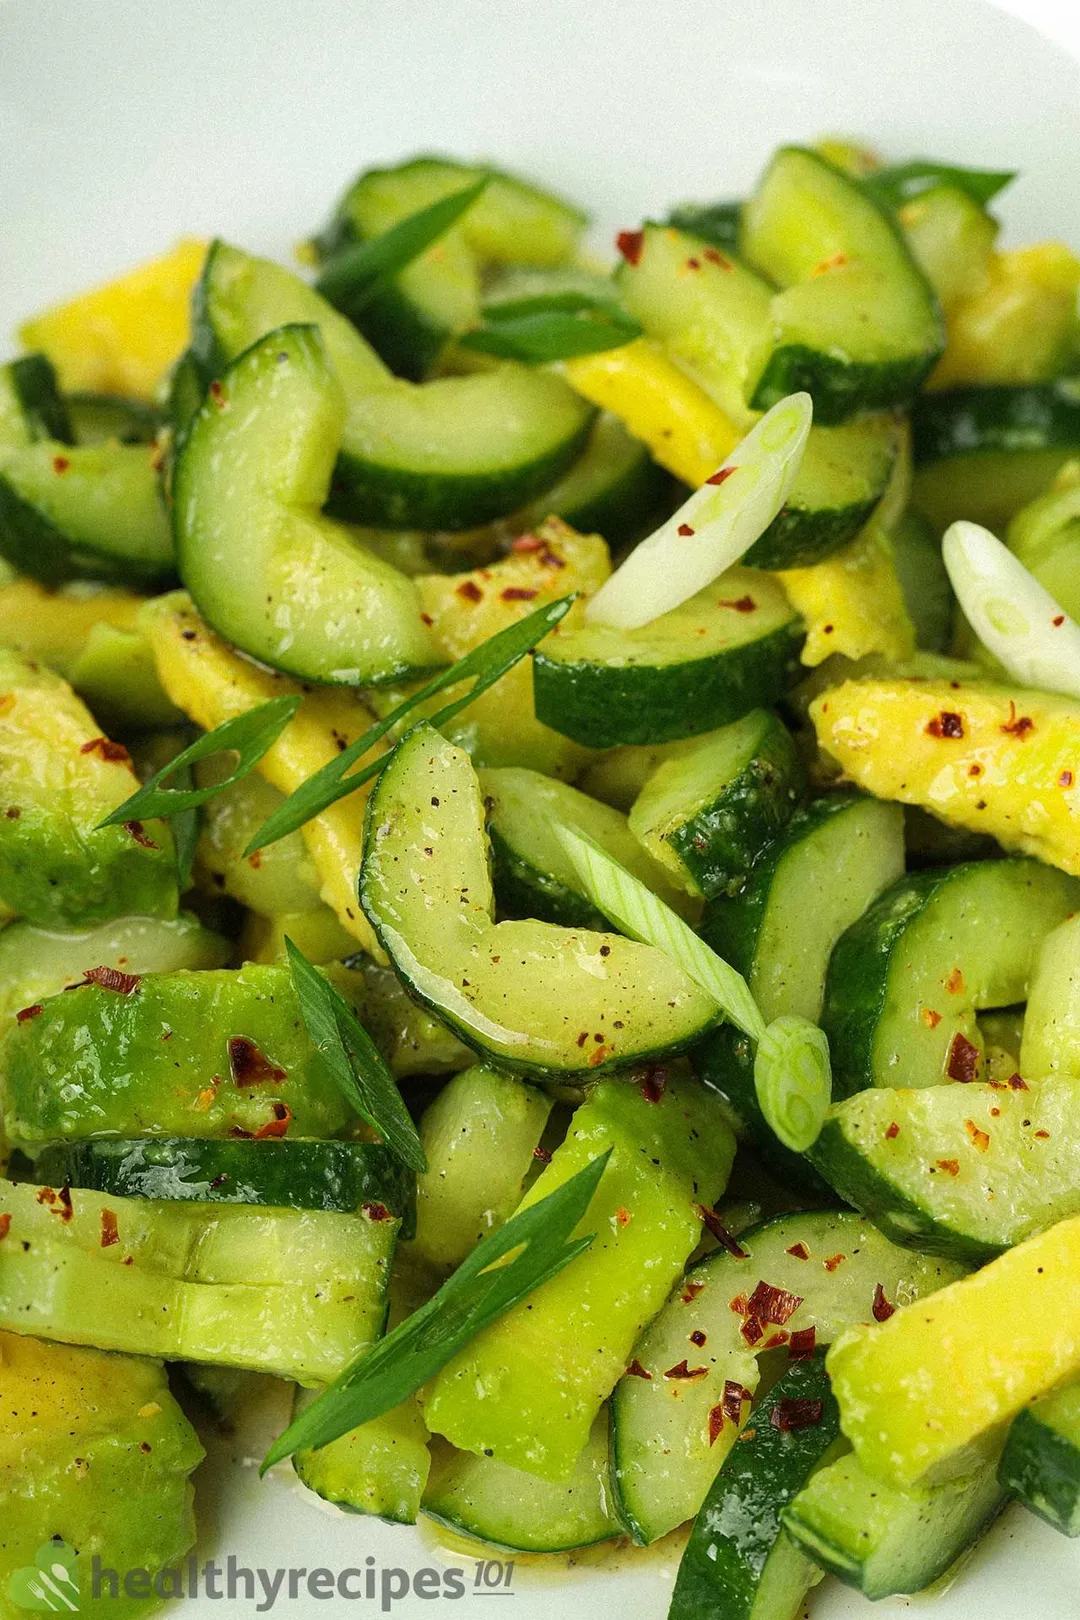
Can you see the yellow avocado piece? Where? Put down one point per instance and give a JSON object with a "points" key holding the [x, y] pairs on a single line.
{"points": [[923, 1395], [1020, 326], [123, 337], [852, 603], [55, 625], [212, 684], [994, 759]]}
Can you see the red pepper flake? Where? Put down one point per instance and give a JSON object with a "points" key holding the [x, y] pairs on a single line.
{"points": [[930, 1018], [59, 1203], [469, 591], [542, 1154], [110, 1232], [721, 475], [951, 1167], [653, 1082], [217, 394], [803, 1344], [1065, 779], [551, 559], [60, 464], [26, 1013], [714, 257], [583, 1037], [279, 1125], [719, 1231], [1017, 727], [716, 1423], [796, 1414], [771, 1304], [684, 529], [836, 262], [799, 1250], [741, 604], [623, 1217], [975, 770], [963, 1060], [598, 1056], [693, 264], [631, 244], [738, 1305], [734, 1396], [527, 542], [882, 1307], [1015, 1083], [137, 831], [946, 724], [376, 1211], [752, 1331], [636, 1370], [747, 1434], [425, 618], [250, 1066], [775, 1340], [698, 1338], [110, 978], [5, 1226], [980, 1138], [834, 1261], [519, 593], [691, 1292], [1058, 620], [114, 752], [954, 984], [892, 1131], [1043, 1136], [682, 1371]]}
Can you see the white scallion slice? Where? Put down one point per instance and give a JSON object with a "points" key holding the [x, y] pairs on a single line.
{"points": [[714, 528], [793, 1080], [637, 912], [1010, 612]]}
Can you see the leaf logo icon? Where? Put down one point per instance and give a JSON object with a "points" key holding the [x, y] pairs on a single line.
{"points": [[50, 1584]]}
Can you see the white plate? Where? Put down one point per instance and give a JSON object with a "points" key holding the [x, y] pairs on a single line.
{"points": [[124, 124]]}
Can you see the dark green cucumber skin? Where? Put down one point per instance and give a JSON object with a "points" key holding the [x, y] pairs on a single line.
{"points": [[721, 1569], [36, 547], [840, 388], [522, 890], [732, 923], [395, 498], [719, 845], [799, 536], [34, 378], [963, 421], [603, 705], [857, 981], [904, 1222], [302, 1174], [716, 223], [627, 511], [1041, 1468]]}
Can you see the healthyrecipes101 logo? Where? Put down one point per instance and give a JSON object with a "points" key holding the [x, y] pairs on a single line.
{"points": [[52, 1582]]}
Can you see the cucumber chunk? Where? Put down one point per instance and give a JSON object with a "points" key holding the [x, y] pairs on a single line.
{"points": [[555, 1358], [95, 1453], [951, 238], [97, 418], [732, 648], [379, 1468], [614, 489], [283, 879], [478, 1496], [251, 474], [881, 1539], [1041, 1461], [983, 453], [158, 1061], [409, 1038], [297, 1293], [1045, 537], [906, 980], [924, 581], [31, 405], [739, 1560], [531, 873], [923, 1396], [58, 867], [449, 454], [479, 1136], [526, 995], [436, 297], [1050, 1044], [960, 1170], [834, 859], [36, 963], [857, 325], [711, 811], [341, 1177], [670, 1436]]}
